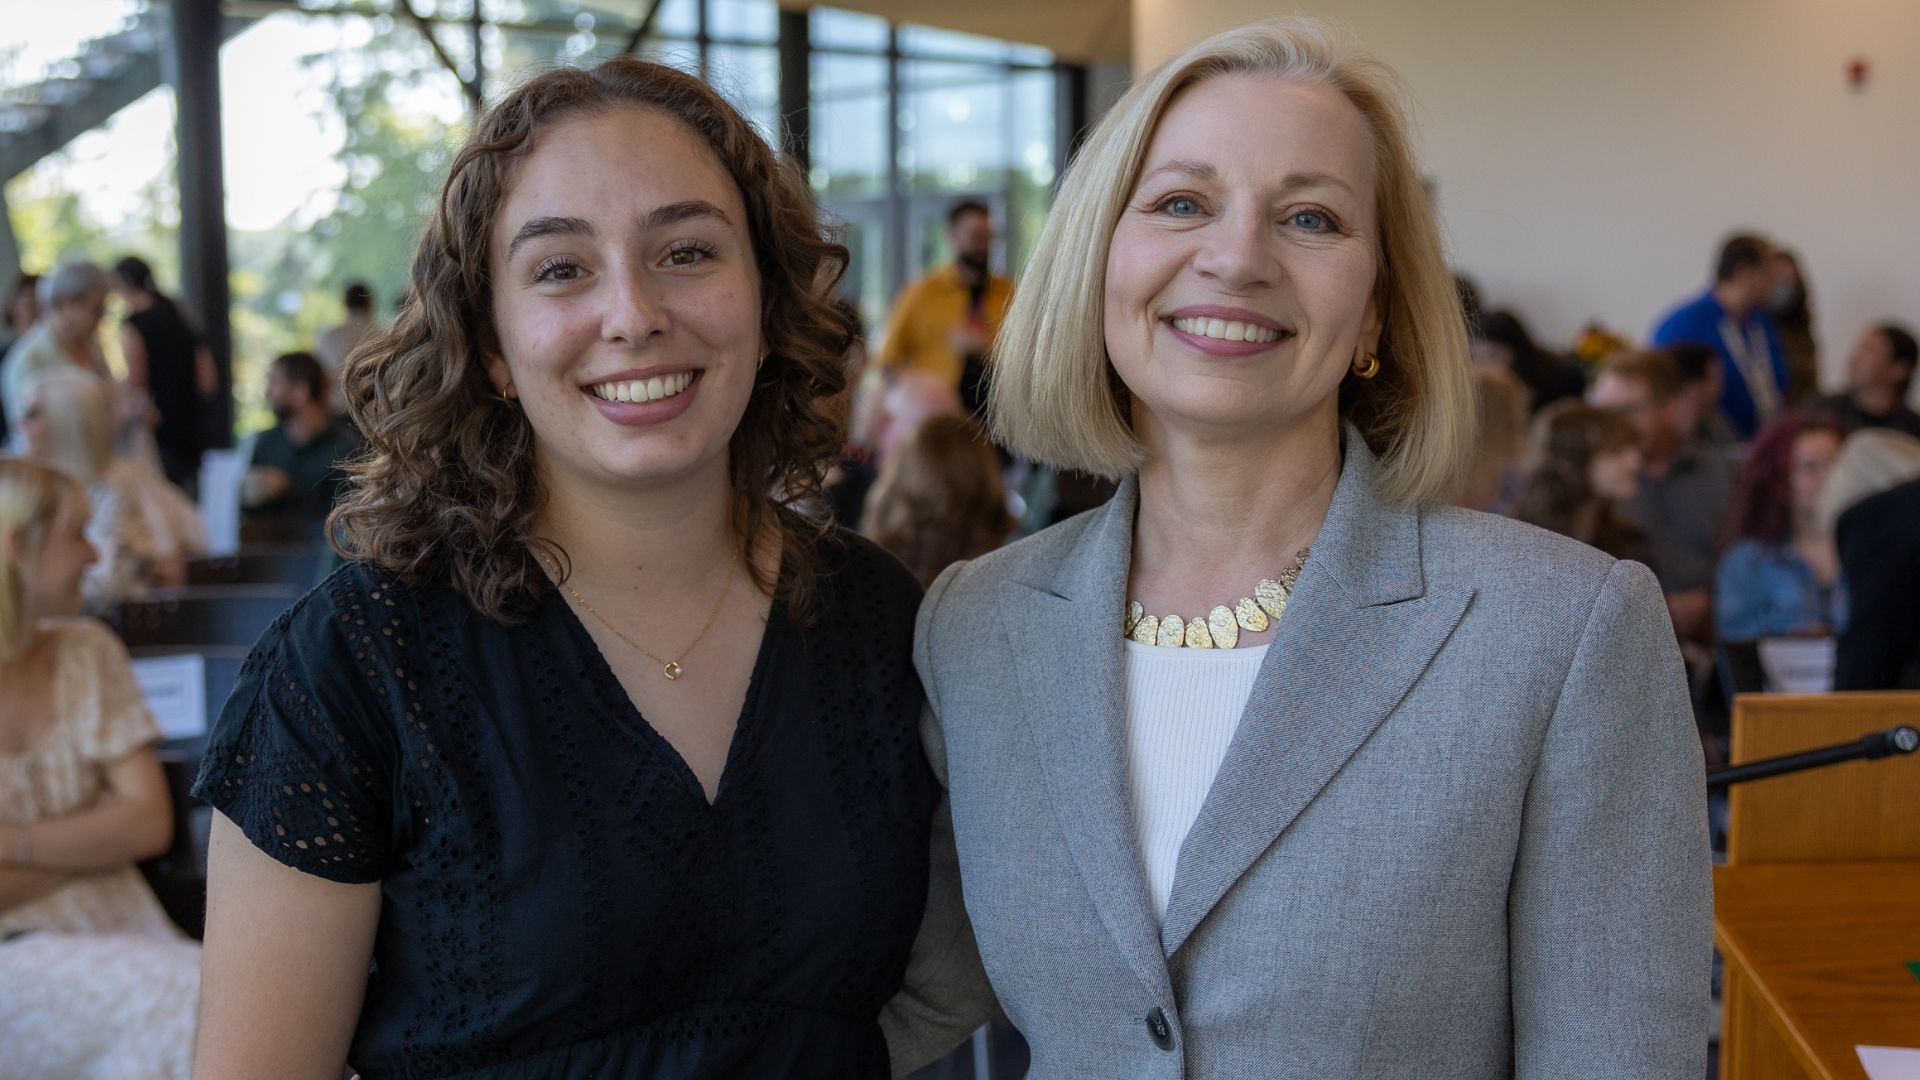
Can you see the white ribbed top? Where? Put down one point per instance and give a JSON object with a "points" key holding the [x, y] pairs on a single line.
{"points": [[1183, 706]]}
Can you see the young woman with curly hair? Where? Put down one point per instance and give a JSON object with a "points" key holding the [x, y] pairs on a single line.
{"points": [[598, 759], [1780, 573]]}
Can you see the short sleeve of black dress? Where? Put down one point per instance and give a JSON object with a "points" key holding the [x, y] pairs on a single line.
{"points": [[302, 758]]}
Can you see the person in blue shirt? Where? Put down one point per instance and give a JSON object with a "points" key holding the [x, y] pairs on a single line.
{"points": [[1780, 574], [1731, 318]]}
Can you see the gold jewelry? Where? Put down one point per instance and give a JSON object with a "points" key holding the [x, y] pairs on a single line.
{"points": [[1219, 628], [670, 668], [1367, 366]]}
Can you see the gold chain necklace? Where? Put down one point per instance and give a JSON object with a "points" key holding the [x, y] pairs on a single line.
{"points": [[670, 668], [1219, 628]]}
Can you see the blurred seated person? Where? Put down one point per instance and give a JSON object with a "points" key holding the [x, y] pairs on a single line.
{"points": [[1879, 374], [1501, 340], [94, 979], [73, 300], [1491, 480], [295, 468], [1871, 460], [940, 499], [1879, 546], [1582, 464], [898, 404], [144, 527], [1780, 574], [21, 311], [1684, 487], [1697, 401]]}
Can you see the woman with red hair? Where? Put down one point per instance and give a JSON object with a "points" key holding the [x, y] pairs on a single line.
{"points": [[1780, 574]]}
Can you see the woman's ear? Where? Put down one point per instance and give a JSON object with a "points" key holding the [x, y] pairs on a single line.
{"points": [[1374, 323], [501, 378]]}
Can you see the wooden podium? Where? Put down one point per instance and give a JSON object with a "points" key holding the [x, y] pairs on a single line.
{"points": [[1817, 911]]}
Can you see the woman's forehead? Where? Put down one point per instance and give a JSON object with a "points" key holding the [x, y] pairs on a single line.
{"points": [[609, 162], [1263, 127]]}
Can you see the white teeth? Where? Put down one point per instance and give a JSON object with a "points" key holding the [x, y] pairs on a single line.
{"points": [[1226, 330], [657, 388]]}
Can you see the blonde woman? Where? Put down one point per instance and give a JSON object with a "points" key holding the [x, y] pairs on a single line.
{"points": [[144, 527], [94, 981], [1274, 766]]}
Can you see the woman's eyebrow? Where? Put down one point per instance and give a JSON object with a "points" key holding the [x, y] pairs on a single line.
{"points": [[548, 226], [1198, 170], [674, 213]]}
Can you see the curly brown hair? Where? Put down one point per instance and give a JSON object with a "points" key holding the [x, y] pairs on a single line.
{"points": [[1557, 492], [446, 490], [940, 498]]}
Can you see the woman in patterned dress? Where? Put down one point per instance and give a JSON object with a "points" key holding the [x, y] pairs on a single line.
{"points": [[94, 980]]}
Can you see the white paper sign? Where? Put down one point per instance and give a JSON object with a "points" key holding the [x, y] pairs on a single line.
{"points": [[220, 473], [176, 691], [1798, 665], [1889, 1062]]}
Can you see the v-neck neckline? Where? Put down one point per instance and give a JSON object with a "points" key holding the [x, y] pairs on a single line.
{"points": [[634, 723]]}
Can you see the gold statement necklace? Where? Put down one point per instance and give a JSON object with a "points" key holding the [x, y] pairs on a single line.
{"points": [[670, 668], [1219, 628]]}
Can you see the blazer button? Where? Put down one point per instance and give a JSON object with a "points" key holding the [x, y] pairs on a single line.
{"points": [[1161, 1031]]}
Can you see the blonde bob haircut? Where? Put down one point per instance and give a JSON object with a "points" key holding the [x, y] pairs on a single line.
{"points": [[34, 500], [1055, 396]]}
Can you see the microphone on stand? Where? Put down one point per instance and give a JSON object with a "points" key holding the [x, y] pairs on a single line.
{"points": [[1889, 743]]}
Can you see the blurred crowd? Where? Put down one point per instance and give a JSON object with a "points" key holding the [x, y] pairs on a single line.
{"points": [[1766, 509], [1708, 453]]}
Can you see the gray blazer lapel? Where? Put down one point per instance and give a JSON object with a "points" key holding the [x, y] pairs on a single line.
{"points": [[1360, 629], [1066, 643]]}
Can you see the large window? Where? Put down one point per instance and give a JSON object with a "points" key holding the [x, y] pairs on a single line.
{"points": [[340, 119], [907, 120]]}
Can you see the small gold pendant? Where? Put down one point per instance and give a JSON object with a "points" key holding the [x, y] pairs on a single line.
{"points": [[1197, 635], [1173, 632], [672, 669], [1134, 614], [1147, 630]]}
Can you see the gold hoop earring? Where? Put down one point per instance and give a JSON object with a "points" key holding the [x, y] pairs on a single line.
{"points": [[1367, 366]]}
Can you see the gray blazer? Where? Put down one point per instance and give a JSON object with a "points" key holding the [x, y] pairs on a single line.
{"points": [[1460, 832]]}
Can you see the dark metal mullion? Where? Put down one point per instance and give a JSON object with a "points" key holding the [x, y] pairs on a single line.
{"points": [[700, 35], [796, 87], [896, 236], [192, 66]]}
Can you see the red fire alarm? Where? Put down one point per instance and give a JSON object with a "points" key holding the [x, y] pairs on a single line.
{"points": [[1857, 72]]}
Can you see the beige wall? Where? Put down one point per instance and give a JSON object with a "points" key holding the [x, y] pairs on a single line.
{"points": [[1589, 156]]}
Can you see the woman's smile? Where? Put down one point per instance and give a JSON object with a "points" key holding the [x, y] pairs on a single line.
{"points": [[637, 399]]}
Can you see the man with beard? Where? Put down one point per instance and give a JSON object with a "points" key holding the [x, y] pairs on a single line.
{"points": [[944, 323], [294, 470]]}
